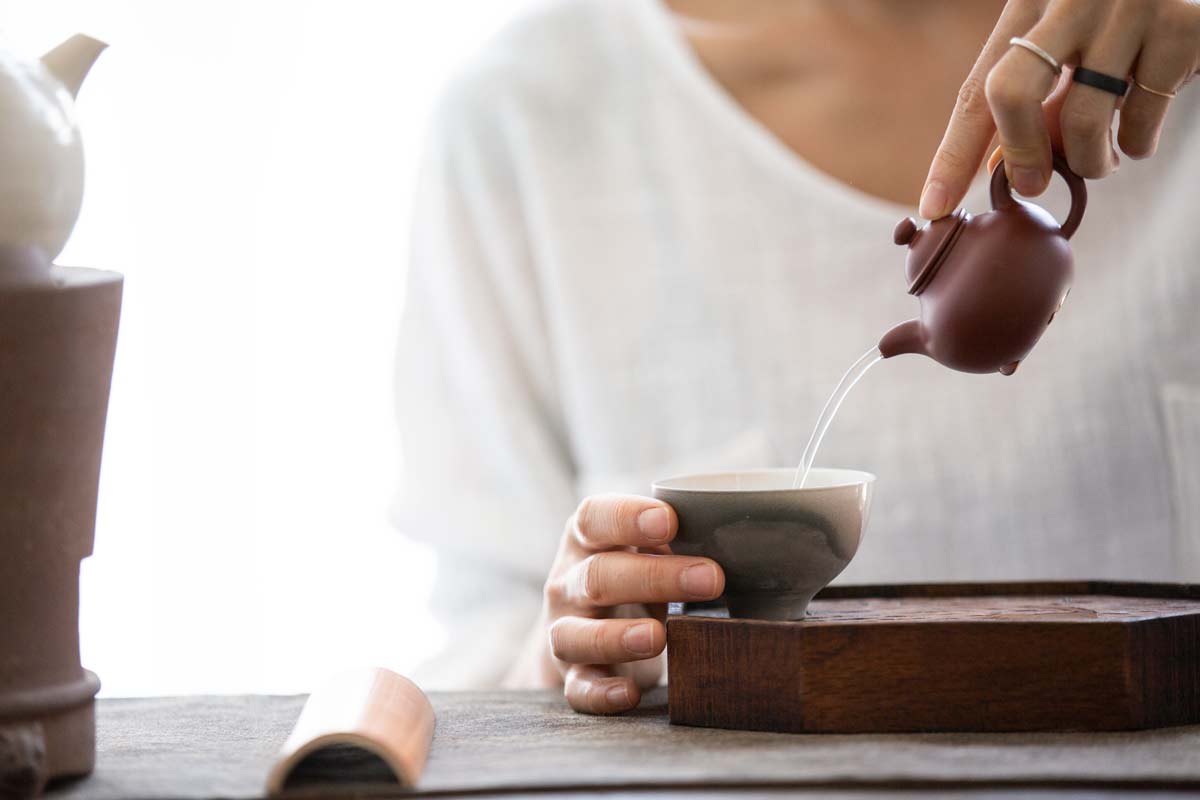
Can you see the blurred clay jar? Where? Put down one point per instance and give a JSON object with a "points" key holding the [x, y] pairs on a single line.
{"points": [[58, 335], [778, 545]]}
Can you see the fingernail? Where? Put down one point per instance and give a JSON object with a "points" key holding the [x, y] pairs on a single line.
{"points": [[618, 695], [653, 524], [639, 639], [933, 200], [699, 580], [1027, 180]]}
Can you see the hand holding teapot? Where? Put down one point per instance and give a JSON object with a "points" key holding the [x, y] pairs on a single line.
{"points": [[989, 284]]}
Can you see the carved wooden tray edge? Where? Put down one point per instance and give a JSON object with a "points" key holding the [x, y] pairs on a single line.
{"points": [[942, 675]]}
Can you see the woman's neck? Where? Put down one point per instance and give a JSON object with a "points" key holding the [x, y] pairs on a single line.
{"points": [[892, 17], [861, 89]]}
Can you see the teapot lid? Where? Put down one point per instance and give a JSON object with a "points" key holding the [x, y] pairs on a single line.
{"points": [[928, 246]]}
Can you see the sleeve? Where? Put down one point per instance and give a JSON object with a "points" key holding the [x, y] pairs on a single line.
{"points": [[487, 477]]}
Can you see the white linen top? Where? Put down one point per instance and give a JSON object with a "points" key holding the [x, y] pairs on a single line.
{"points": [[619, 275]]}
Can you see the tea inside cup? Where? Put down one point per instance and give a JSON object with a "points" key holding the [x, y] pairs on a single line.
{"points": [[778, 546]]}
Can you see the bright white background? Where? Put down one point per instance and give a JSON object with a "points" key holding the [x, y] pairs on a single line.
{"points": [[250, 170]]}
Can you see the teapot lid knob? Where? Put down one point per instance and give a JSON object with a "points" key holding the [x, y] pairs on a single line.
{"points": [[904, 231]]}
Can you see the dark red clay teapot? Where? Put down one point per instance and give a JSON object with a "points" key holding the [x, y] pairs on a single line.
{"points": [[989, 284]]}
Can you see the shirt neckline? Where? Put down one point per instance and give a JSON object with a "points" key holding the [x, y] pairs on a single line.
{"points": [[663, 32]]}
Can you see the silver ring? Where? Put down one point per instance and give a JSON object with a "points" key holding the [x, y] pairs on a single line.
{"points": [[1037, 51]]}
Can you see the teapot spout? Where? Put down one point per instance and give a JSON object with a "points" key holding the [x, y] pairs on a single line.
{"points": [[71, 60], [904, 338]]}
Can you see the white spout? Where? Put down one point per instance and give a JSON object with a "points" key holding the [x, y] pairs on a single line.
{"points": [[71, 60]]}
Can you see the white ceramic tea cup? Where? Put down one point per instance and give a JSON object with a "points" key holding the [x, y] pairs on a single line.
{"points": [[778, 545]]}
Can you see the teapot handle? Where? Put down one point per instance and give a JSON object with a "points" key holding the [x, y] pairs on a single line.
{"points": [[1002, 196]]}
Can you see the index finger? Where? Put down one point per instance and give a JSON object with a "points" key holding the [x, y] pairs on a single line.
{"points": [[603, 522], [971, 126]]}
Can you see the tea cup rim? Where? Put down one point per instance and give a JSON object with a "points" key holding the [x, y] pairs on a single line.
{"points": [[842, 479]]}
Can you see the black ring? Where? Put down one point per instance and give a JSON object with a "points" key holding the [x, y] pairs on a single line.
{"points": [[1098, 80]]}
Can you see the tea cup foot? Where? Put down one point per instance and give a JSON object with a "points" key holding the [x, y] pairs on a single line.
{"points": [[775, 607]]}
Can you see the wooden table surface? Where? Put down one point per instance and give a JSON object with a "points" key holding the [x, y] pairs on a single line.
{"points": [[515, 744]]}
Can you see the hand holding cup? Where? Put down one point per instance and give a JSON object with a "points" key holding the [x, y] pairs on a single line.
{"points": [[604, 604]]}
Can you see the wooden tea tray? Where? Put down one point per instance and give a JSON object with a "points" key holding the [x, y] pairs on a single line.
{"points": [[947, 657]]}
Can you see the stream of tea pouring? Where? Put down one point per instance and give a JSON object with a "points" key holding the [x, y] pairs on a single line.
{"points": [[852, 376], [1011, 267]]}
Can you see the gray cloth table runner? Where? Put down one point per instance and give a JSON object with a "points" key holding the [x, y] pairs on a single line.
{"points": [[511, 743]]}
